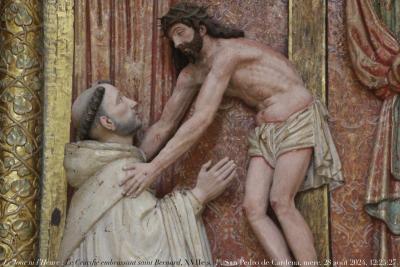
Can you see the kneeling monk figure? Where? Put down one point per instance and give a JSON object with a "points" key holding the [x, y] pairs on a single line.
{"points": [[103, 227]]}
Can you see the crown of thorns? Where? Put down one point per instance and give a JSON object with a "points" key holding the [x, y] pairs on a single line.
{"points": [[183, 13], [90, 115]]}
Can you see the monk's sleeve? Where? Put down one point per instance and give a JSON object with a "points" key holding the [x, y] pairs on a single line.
{"points": [[181, 213]]}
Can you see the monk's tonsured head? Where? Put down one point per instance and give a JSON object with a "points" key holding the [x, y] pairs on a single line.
{"points": [[185, 24], [103, 110]]}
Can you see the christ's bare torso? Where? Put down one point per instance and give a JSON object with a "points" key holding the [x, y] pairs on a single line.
{"points": [[262, 78]]}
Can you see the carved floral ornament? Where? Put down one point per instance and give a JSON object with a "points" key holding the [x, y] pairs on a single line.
{"points": [[17, 13], [20, 120]]}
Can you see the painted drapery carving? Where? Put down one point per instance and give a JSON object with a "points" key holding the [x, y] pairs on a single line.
{"points": [[20, 127], [375, 55]]}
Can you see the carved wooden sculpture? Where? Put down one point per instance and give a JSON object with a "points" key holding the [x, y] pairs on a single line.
{"points": [[102, 224], [375, 55]]}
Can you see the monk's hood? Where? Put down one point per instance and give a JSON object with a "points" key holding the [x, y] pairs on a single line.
{"points": [[84, 158]]}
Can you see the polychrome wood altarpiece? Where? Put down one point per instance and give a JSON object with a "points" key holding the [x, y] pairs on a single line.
{"points": [[50, 51]]}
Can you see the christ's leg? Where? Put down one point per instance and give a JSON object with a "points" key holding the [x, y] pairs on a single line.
{"points": [[258, 184], [289, 174]]}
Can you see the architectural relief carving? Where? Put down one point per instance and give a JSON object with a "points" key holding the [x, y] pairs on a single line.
{"points": [[20, 132], [375, 55]]}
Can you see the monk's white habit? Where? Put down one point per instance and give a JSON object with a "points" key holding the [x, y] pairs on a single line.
{"points": [[103, 228]]}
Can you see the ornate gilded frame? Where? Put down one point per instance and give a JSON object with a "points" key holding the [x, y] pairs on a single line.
{"points": [[37, 41]]}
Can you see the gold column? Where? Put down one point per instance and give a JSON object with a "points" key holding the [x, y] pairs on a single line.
{"points": [[307, 50], [20, 128], [58, 19]]}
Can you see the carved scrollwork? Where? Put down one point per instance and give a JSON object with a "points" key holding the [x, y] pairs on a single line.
{"points": [[20, 116]]}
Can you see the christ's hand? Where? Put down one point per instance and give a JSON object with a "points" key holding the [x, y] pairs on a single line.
{"points": [[139, 176]]}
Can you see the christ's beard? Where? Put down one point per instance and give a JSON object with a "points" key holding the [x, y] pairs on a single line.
{"points": [[192, 49]]}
